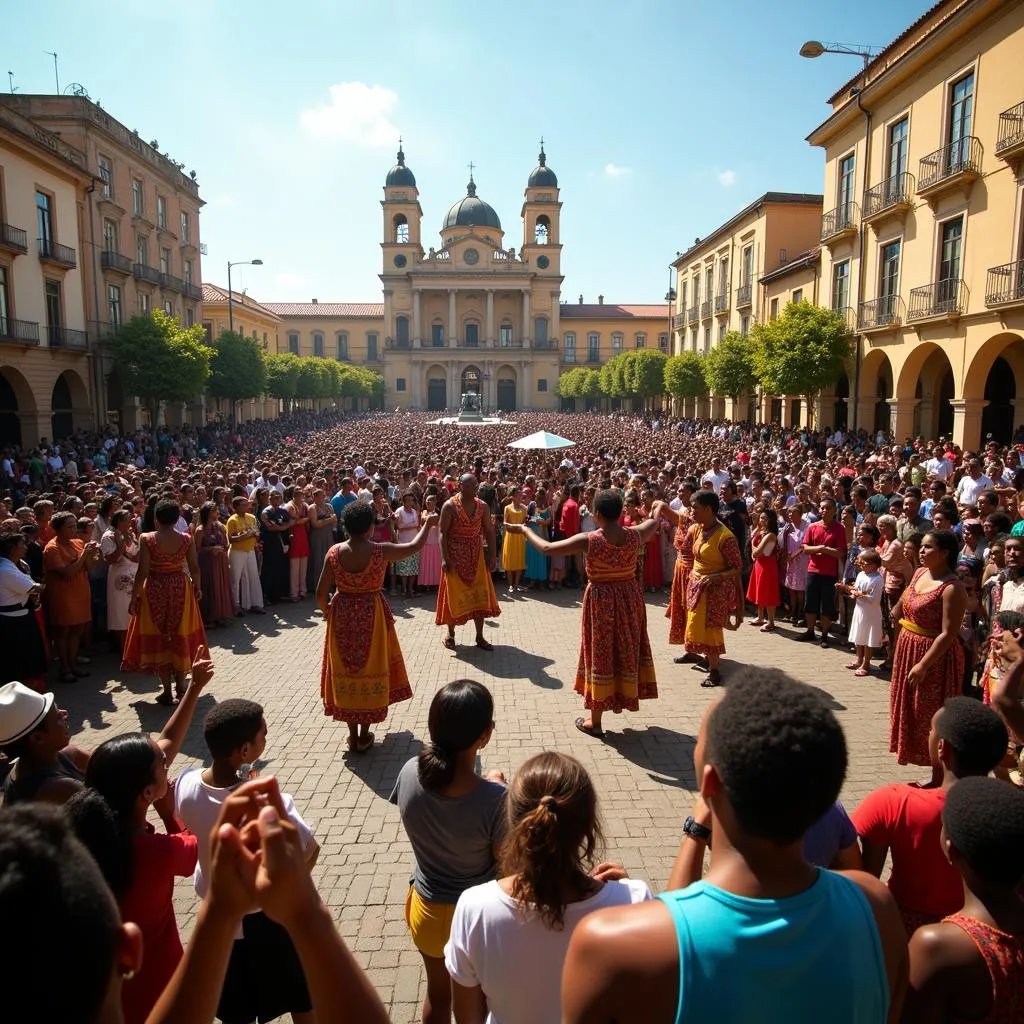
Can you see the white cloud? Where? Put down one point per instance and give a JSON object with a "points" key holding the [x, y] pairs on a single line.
{"points": [[726, 178], [615, 171], [355, 112]]}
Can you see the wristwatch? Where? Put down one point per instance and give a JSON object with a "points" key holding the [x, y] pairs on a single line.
{"points": [[695, 830]]}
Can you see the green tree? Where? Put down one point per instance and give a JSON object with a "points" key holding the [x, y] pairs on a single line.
{"points": [[729, 367], [643, 372], [684, 376], [283, 377], [237, 369], [580, 382], [802, 352], [612, 377], [159, 360]]}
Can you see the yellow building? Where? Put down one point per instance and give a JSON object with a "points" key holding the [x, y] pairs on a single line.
{"points": [[924, 234], [45, 376], [717, 279]]}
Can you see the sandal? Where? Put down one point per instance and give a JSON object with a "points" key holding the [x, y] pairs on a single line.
{"points": [[700, 666], [861, 672], [364, 743], [166, 699], [69, 677], [588, 730], [449, 642], [757, 622], [853, 665], [484, 645], [714, 679], [767, 628]]}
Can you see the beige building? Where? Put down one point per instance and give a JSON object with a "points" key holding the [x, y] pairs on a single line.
{"points": [[924, 231], [140, 232], [45, 375], [717, 279]]}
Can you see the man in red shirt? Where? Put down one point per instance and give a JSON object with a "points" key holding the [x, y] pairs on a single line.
{"points": [[825, 542], [905, 819]]}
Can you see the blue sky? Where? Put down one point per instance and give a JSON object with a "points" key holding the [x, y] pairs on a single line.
{"points": [[661, 118]]}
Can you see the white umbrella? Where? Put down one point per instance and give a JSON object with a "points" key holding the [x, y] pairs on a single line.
{"points": [[542, 439]]}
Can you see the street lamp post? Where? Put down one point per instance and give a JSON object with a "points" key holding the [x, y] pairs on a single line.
{"points": [[237, 263], [670, 298]]}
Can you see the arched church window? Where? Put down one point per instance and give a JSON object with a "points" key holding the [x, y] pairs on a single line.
{"points": [[542, 231], [401, 229], [540, 330]]}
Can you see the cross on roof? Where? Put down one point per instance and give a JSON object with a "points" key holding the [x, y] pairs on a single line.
{"points": [[471, 166]]}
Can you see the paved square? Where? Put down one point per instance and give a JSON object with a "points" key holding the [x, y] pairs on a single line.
{"points": [[643, 771]]}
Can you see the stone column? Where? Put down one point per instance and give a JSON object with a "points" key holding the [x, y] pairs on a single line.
{"points": [[527, 331], [967, 421], [525, 397], [416, 336], [452, 332], [489, 338], [864, 411], [901, 417], [389, 328], [556, 323]]}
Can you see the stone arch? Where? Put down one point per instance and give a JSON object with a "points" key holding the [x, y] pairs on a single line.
{"points": [[933, 391], [400, 229], [471, 379], [435, 387], [841, 402], [542, 230], [18, 409], [506, 383], [876, 390]]}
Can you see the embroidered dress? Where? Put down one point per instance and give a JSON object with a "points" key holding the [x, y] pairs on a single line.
{"points": [[166, 632], [363, 669], [911, 707], [682, 542], [430, 559], [1004, 957], [408, 527], [616, 669], [466, 590], [709, 601], [513, 550], [120, 582], [796, 565]]}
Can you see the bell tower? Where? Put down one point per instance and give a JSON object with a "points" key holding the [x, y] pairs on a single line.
{"points": [[402, 218], [542, 244]]}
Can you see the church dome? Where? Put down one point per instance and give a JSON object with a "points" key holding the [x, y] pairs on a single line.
{"points": [[472, 211], [542, 176], [400, 174]]}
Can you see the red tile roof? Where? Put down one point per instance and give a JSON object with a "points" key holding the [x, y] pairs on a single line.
{"points": [[213, 293], [610, 310], [326, 308]]}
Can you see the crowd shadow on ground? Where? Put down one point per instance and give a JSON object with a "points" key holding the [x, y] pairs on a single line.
{"points": [[378, 768], [665, 754]]}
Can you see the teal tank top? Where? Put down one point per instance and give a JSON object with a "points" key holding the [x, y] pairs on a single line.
{"points": [[813, 957]]}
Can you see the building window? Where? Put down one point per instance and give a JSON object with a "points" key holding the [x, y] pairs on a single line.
{"points": [[889, 279], [437, 336], [540, 330], [696, 288], [161, 213], [472, 335], [165, 261], [662, 342], [44, 219], [542, 232], [961, 109], [798, 295], [594, 346], [114, 305], [208, 331], [106, 176], [241, 330], [745, 326], [723, 276], [709, 281], [693, 338], [5, 301], [144, 303], [841, 285], [371, 347], [949, 259], [190, 317], [188, 272], [899, 141], [401, 229], [542, 384], [342, 345], [318, 344], [54, 311], [169, 308], [569, 347], [142, 250], [293, 344], [722, 328], [707, 338], [747, 267], [774, 310], [255, 334], [682, 296], [640, 341], [504, 335], [185, 234], [399, 383], [138, 198], [109, 236], [845, 190], [265, 342], [402, 331], [617, 343]]}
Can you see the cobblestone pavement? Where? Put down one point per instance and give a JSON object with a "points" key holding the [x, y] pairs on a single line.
{"points": [[643, 771]]}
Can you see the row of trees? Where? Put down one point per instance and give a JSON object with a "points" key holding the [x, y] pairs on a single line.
{"points": [[159, 359], [800, 353]]}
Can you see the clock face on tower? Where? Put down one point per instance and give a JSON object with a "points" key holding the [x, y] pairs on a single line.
{"points": [[400, 260], [471, 256], [543, 262]]}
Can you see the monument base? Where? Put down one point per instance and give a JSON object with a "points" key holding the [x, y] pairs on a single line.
{"points": [[471, 416]]}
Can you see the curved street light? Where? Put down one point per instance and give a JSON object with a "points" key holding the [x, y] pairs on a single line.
{"points": [[237, 263]]}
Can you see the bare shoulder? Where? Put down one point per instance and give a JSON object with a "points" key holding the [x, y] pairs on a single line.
{"points": [[942, 945], [621, 935]]}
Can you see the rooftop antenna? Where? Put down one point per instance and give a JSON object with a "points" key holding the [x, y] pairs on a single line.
{"points": [[56, 77], [10, 81]]}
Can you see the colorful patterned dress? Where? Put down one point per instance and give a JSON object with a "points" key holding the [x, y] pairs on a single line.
{"points": [[513, 551], [165, 634], [709, 601], [430, 558], [466, 590], [652, 571], [911, 708], [363, 669], [676, 610], [616, 669], [1004, 957]]}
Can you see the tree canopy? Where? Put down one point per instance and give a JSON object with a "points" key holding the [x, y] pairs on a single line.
{"points": [[289, 377], [639, 374], [729, 367], [237, 368], [580, 382], [684, 376]]}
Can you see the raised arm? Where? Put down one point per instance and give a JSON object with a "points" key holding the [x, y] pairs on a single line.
{"points": [[395, 552], [173, 735], [570, 546]]}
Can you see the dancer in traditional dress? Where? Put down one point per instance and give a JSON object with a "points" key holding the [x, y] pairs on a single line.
{"points": [[682, 542], [616, 669], [363, 669], [166, 629], [466, 590]]}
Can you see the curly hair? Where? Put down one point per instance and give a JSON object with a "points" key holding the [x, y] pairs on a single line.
{"points": [[975, 732], [984, 820]]}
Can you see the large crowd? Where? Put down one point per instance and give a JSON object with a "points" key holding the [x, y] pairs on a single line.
{"points": [[908, 552]]}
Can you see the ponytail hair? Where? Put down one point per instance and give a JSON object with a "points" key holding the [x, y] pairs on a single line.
{"points": [[553, 831], [460, 714]]}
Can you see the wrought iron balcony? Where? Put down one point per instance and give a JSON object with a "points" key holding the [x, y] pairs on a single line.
{"points": [[546, 346], [1004, 286], [840, 223], [956, 164], [678, 321], [569, 355], [63, 337], [18, 332], [143, 273], [722, 301], [397, 343], [744, 295], [171, 283], [116, 262], [693, 314], [193, 291], [53, 252], [946, 298], [880, 314], [705, 309], [594, 356], [891, 197], [101, 331], [849, 315], [13, 239], [1010, 137]]}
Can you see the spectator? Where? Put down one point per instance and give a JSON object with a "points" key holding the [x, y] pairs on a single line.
{"points": [[825, 542]]}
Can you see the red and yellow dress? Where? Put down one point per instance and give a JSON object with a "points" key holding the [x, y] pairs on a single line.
{"points": [[911, 708], [363, 669], [616, 669], [676, 610], [466, 591], [710, 599], [165, 634]]}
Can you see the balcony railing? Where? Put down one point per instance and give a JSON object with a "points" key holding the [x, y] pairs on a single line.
{"points": [[849, 315], [940, 298], [955, 162], [13, 239], [893, 195], [172, 283], [18, 332], [63, 337], [115, 261], [1005, 285], [840, 222], [744, 295], [1010, 137], [877, 314], [693, 314], [705, 309], [397, 343], [193, 291], [143, 273], [722, 302], [678, 321], [545, 346], [593, 357], [569, 355], [53, 252]]}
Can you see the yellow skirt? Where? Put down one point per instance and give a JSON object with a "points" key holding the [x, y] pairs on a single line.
{"points": [[457, 603]]}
